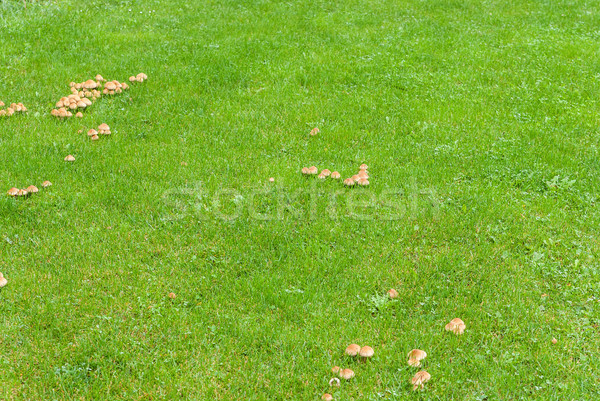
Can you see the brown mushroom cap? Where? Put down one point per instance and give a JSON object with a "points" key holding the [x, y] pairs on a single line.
{"points": [[348, 182], [366, 352], [32, 189], [132, 79], [327, 397], [3, 280], [79, 114], [456, 325], [92, 132], [305, 170], [13, 192], [110, 86], [363, 166], [99, 78], [313, 170], [353, 349], [103, 127], [69, 158], [336, 369], [23, 192], [94, 137], [363, 182], [89, 84], [420, 379], [326, 173], [335, 175], [347, 374], [355, 177], [46, 184], [363, 174], [321, 176], [416, 356], [314, 131], [393, 293]]}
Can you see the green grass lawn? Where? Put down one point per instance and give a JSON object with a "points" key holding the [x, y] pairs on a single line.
{"points": [[479, 121]]}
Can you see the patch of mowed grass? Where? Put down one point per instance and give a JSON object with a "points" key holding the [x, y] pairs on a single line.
{"points": [[479, 123]]}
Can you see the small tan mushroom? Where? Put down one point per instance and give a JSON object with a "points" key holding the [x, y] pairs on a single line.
{"points": [[366, 352], [363, 182], [321, 176], [23, 192], [81, 104], [79, 114], [100, 78], [393, 293], [271, 179], [132, 79], [363, 174], [110, 86], [3, 280], [326, 173], [335, 175], [416, 356], [89, 84], [46, 184], [348, 182], [92, 132], [314, 131], [13, 192], [355, 177], [457, 326], [313, 170], [305, 170], [554, 341], [32, 189], [69, 158], [336, 369], [94, 137], [353, 349], [347, 374], [141, 77], [363, 166], [420, 379], [103, 127], [327, 397], [172, 295]]}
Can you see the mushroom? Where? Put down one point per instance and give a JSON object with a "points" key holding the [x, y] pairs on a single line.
{"points": [[366, 352], [335, 175], [124, 86], [141, 77], [363, 174], [69, 158], [305, 170], [327, 397], [352, 349], [321, 176], [313, 170], [92, 132], [3, 280], [46, 184], [363, 166], [416, 356], [348, 182], [32, 189], [172, 295], [81, 104], [336, 369], [393, 293], [132, 79], [314, 131], [347, 374], [2, 113], [103, 127], [326, 173], [110, 86], [335, 382], [23, 192], [89, 84], [79, 114], [94, 137], [554, 341], [363, 182], [271, 179], [13, 192], [86, 101], [420, 379], [457, 326], [100, 78], [355, 177]]}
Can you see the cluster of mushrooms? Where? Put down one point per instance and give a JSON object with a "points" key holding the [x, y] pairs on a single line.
{"points": [[353, 350], [103, 129], [361, 178], [12, 109], [83, 94], [30, 190], [415, 356], [141, 77]]}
